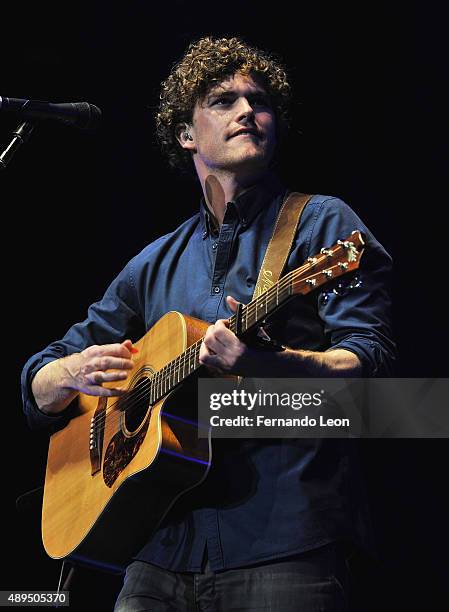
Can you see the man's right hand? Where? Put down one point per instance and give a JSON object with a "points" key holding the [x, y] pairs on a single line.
{"points": [[87, 371], [57, 383]]}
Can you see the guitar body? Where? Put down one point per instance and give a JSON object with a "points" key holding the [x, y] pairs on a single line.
{"points": [[113, 474], [120, 464]]}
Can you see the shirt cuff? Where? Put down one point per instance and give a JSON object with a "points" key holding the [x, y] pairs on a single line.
{"points": [[35, 417]]}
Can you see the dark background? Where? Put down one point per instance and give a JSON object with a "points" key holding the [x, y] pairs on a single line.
{"points": [[371, 106]]}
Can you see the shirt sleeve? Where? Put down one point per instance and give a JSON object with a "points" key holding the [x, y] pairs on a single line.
{"points": [[357, 316], [114, 318]]}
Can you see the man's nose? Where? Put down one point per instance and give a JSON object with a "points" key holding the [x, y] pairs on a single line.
{"points": [[245, 110]]}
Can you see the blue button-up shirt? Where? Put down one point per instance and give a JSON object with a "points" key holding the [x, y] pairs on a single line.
{"points": [[262, 499]]}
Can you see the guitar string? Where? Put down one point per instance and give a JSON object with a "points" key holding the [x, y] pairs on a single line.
{"points": [[189, 353], [134, 398], [174, 365], [128, 403]]}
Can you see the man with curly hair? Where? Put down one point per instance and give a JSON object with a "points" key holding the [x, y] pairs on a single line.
{"points": [[270, 526]]}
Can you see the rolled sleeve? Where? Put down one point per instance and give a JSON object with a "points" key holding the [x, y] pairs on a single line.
{"points": [[357, 317]]}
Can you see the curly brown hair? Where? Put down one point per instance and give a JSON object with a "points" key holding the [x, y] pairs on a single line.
{"points": [[205, 64]]}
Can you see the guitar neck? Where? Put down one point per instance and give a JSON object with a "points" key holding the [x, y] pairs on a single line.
{"points": [[251, 316], [328, 264]]}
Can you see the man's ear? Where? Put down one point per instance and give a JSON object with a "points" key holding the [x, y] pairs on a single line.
{"points": [[185, 137]]}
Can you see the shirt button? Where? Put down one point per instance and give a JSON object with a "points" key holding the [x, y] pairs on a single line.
{"points": [[204, 235], [216, 289], [215, 245]]}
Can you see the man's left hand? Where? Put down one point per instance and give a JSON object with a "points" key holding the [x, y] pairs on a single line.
{"points": [[223, 353]]}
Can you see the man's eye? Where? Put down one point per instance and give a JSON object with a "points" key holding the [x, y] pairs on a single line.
{"points": [[222, 101]]}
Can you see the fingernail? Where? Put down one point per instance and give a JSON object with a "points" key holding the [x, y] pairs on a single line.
{"points": [[134, 350]]}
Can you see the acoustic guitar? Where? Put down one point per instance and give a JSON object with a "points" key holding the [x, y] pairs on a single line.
{"points": [[120, 464]]}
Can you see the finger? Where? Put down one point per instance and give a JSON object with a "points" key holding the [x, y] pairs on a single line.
{"points": [[223, 334], [204, 351], [99, 391], [98, 378], [209, 340], [223, 323], [107, 363], [232, 302], [205, 354], [113, 350], [213, 345]]}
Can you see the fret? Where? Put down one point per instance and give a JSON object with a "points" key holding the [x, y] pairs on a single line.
{"points": [[249, 317], [259, 308], [196, 356], [186, 363]]}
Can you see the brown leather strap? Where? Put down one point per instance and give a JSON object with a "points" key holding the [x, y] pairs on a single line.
{"points": [[281, 241]]}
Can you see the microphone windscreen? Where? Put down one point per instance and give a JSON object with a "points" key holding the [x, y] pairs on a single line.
{"points": [[88, 115]]}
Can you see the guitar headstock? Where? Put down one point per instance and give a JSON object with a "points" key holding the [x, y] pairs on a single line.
{"points": [[332, 262]]}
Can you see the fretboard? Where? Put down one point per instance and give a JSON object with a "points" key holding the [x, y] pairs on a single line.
{"points": [[252, 314], [324, 267]]}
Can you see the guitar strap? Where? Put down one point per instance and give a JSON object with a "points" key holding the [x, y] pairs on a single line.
{"points": [[275, 258], [281, 242]]}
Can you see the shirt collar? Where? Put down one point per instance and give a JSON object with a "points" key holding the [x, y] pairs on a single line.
{"points": [[247, 205]]}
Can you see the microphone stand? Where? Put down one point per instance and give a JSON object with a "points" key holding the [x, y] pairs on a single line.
{"points": [[20, 135]]}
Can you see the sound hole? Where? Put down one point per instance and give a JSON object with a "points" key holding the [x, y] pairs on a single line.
{"points": [[137, 404]]}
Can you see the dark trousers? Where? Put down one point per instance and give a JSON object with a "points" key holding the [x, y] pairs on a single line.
{"points": [[314, 581]]}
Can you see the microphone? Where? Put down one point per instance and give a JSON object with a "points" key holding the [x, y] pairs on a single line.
{"points": [[79, 114]]}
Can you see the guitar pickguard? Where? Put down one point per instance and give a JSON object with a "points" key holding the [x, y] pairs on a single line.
{"points": [[120, 451]]}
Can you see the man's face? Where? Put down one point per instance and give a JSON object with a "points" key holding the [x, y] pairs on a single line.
{"points": [[234, 127]]}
